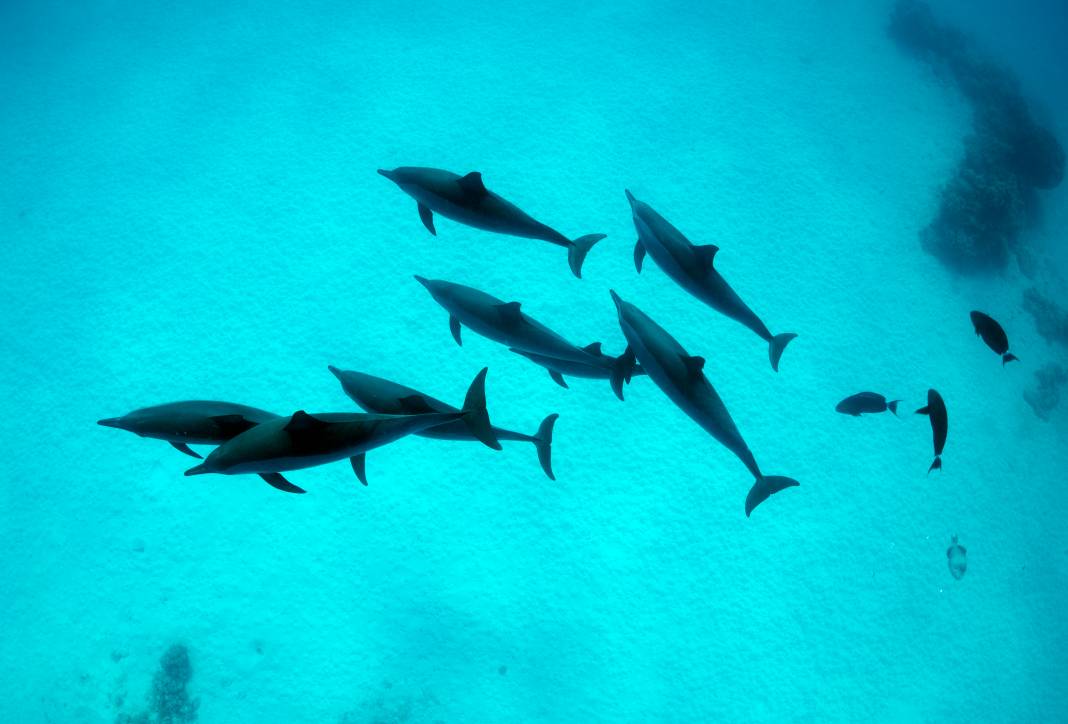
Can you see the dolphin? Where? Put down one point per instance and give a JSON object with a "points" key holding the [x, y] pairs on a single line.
{"points": [[866, 402], [378, 395], [303, 440], [682, 378], [693, 269], [500, 321], [599, 366], [994, 335], [201, 422], [467, 200], [936, 410]]}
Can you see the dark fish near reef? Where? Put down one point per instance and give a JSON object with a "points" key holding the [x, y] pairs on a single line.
{"points": [[936, 410], [467, 200], [682, 378], [303, 440], [994, 336], [375, 394], [692, 267], [865, 402], [500, 321], [200, 422], [958, 559], [598, 366]]}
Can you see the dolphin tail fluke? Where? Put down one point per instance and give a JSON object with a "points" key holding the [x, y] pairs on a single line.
{"points": [[776, 346], [543, 442], [1005, 359], [892, 406], [474, 412], [622, 370], [936, 465], [764, 487], [578, 249]]}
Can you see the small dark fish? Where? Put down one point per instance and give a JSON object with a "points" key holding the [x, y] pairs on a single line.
{"points": [[866, 402], [936, 410], [994, 336], [958, 559]]}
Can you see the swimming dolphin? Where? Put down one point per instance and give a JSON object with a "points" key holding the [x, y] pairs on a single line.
{"points": [[682, 378], [693, 269], [303, 440], [994, 336], [500, 321], [936, 410], [866, 402], [375, 394], [200, 422], [599, 366], [467, 200]]}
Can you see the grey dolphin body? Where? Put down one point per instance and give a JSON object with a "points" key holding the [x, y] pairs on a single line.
{"points": [[682, 378], [467, 200], [598, 366], [198, 422], [693, 269], [500, 321], [866, 402], [375, 394], [303, 440]]}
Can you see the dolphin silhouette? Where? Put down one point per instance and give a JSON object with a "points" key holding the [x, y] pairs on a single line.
{"points": [[379, 395], [467, 200], [303, 440], [200, 422], [500, 321], [683, 380], [693, 269]]}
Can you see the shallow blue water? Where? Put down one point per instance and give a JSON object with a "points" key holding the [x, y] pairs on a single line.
{"points": [[191, 210]]}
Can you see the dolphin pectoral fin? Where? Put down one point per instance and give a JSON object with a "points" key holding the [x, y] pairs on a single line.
{"points": [[558, 378], [543, 441], [577, 251], [473, 186], [594, 349], [924, 411], [639, 255], [359, 466], [275, 480], [776, 346], [511, 313], [706, 255], [427, 217], [694, 365], [183, 448], [454, 327], [764, 488]]}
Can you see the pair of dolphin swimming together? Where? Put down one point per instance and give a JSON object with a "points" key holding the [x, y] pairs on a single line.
{"points": [[467, 200], [255, 441]]}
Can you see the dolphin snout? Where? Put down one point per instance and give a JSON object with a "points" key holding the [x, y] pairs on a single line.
{"points": [[111, 422], [422, 280], [335, 371], [630, 196], [388, 174], [616, 299], [198, 470]]}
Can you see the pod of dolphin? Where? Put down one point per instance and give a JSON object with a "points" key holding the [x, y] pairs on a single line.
{"points": [[249, 440]]}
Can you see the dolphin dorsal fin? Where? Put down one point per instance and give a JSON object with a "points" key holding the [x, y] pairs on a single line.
{"points": [[302, 423], [694, 365], [414, 405], [594, 349], [510, 312], [705, 254], [472, 184]]}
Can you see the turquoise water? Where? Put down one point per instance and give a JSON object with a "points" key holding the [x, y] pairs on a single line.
{"points": [[191, 210]]}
